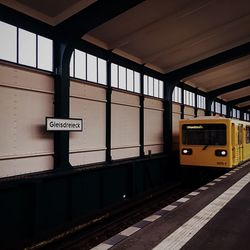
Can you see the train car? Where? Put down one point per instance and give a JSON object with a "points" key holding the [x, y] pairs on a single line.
{"points": [[213, 142]]}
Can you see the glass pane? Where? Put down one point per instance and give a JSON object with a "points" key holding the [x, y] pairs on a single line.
{"points": [[114, 75], [204, 134], [156, 88], [130, 80], [180, 96], [161, 89], [102, 71], [45, 53], [27, 48], [137, 82], [8, 42], [150, 86], [80, 64], [91, 68], [145, 80], [71, 65], [122, 77]]}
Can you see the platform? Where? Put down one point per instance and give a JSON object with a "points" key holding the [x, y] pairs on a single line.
{"points": [[215, 216]]}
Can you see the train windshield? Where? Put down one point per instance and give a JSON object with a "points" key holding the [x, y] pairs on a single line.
{"points": [[204, 134]]}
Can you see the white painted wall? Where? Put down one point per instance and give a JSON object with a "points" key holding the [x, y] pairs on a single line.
{"points": [[26, 98]]}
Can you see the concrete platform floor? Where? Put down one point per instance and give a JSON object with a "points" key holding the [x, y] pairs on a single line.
{"points": [[215, 216]]}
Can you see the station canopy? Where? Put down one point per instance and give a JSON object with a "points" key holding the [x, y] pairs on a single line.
{"points": [[203, 43]]}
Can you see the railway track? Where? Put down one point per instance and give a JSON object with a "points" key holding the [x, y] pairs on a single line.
{"points": [[112, 223]]}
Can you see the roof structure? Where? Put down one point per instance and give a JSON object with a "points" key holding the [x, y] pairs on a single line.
{"points": [[202, 43]]}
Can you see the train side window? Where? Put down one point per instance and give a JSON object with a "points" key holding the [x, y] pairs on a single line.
{"points": [[240, 134], [247, 134]]}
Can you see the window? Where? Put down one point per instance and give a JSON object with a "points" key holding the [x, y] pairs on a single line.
{"points": [[26, 48], [114, 75], [125, 78], [176, 96], [217, 107], [91, 68], [189, 98], [201, 102], [204, 134], [247, 134], [8, 42], [212, 106], [130, 80], [238, 114], [234, 113], [102, 71], [137, 82], [122, 77], [223, 109], [152, 86], [45, 51], [161, 89], [80, 64]]}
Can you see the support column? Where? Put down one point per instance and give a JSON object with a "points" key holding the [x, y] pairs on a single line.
{"points": [[62, 55], [142, 97], [195, 104], [168, 117], [229, 111], [108, 112], [209, 101], [182, 102]]}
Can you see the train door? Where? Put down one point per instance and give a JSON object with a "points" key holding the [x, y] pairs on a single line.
{"points": [[240, 141], [234, 148]]}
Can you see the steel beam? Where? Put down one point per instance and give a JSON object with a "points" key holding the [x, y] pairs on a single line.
{"points": [[239, 100], [210, 62], [229, 88], [94, 15]]}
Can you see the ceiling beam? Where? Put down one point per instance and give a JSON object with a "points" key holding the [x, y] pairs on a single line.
{"points": [[239, 100], [210, 62], [229, 88], [245, 107], [91, 17]]}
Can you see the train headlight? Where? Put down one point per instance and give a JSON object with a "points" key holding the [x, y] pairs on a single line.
{"points": [[187, 151], [219, 152]]}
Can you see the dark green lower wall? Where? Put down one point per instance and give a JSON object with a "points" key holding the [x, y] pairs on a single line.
{"points": [[38, 206]]}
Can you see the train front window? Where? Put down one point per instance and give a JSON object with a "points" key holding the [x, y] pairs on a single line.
{"points": [[204, 134]]}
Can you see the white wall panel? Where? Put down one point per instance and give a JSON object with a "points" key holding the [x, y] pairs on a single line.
{"points": [[189, 111], [125, 125], [88, 157], [26, 98], [153, 122], [125, 153], [201, 112], [88, 102]]}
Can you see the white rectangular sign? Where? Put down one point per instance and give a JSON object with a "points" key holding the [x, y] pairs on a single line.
{"points": [[60, 124]]}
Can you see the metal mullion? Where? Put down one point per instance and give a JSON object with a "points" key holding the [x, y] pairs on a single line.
{"points": [[118, 82], [97, 68], [133, 81], [17, 46], [126, 78], [86, 66], [74, 64], [36, 51]]}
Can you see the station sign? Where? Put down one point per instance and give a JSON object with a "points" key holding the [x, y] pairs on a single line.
{"points": [[60, 124]]}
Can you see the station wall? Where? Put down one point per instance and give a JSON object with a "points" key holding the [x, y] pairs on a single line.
{"points": [[26, 98]]}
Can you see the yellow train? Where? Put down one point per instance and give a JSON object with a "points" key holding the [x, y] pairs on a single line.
{"points": [[213, 142]]}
